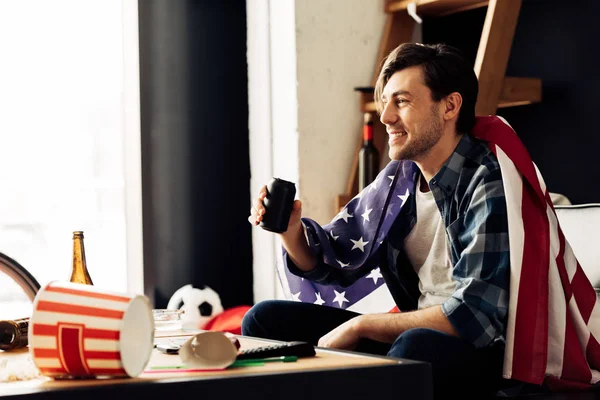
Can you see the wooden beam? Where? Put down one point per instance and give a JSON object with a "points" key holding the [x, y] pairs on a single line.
{"points": [[520, 91], [435, 7], [398, 29], [494, 51]]}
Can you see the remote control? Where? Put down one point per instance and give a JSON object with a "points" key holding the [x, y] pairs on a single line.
{"points": [[298, 349]]}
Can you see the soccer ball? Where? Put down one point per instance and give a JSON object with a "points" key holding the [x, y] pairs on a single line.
{"points": [[199, 305]]}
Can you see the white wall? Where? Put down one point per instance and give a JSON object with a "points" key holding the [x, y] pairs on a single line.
{"points": [[337, 42], [305, 57]]}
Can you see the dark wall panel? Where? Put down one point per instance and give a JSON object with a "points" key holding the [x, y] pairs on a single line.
{"points": [[196, 171]]}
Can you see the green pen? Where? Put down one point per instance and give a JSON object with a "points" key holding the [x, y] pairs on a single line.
{"points": [[255, 362], [260, 361]]}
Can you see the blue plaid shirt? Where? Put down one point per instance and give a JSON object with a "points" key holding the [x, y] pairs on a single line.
{"points": [[469, 193]]}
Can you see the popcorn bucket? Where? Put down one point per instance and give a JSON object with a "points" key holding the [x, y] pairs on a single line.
{"points": [[81, 331]]}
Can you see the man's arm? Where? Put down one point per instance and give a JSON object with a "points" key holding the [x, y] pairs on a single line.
{"points": [[386, 328], [296, 245]]}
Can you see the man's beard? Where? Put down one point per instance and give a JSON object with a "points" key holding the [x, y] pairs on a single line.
{"points": [[421, 141]]}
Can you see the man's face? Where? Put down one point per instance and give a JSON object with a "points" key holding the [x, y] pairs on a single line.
{"points": [[414, 122]]}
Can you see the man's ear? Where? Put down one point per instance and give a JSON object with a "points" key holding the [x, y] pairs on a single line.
{"points": [[453, 103]]}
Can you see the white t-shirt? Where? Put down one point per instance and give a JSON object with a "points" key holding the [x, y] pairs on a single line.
{"points": [[429, 253]]}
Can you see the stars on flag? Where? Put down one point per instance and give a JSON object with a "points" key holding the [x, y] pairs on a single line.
{"points": [[391, 177], [359, 244], [375, 275], [365, 215], [319, 300], [404, 196], [333, 236], [344, 215], [340, 297], [373, 185], [296, 296], [389, 211], [341, 263]]}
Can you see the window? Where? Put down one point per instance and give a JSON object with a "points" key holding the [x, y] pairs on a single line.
{"points": [[65, 135]]}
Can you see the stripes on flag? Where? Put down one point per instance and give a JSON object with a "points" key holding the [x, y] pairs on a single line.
{"points": [[554, 317], [380, 298]]}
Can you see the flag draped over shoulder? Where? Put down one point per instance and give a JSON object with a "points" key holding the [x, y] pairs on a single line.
{"points": [[349, 241], [554, 313]]}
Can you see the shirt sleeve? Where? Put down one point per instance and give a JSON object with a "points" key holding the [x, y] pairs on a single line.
{"points": [[478, 308]]}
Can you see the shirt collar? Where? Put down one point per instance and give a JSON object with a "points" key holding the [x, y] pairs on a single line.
{"points": [[447, 177]]}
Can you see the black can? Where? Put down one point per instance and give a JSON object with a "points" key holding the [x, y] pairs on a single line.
{"points": [[278, 205]]}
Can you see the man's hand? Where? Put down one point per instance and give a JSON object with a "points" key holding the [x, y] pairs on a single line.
{"points": [[293, 239], [344, 337], [258, 211]]}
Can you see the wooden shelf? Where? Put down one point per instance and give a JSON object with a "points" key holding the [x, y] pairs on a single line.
{"points": [[515, 92], [520, 91], [435, 7]]}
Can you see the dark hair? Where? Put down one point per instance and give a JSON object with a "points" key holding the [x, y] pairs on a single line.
{"points": [[445, 70]]}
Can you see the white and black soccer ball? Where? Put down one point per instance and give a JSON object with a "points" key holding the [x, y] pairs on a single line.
{"points": [[199, 305]]}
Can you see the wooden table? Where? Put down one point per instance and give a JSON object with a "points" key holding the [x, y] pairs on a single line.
{"points": [[331, 374]]}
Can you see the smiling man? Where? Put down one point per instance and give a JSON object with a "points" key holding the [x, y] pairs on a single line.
{"points": [[444, 254]]}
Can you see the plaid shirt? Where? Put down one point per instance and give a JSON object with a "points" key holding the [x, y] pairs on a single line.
{"points": [[469, 193]]}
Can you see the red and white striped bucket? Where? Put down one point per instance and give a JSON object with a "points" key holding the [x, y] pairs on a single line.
{"points": [[81, 331]]}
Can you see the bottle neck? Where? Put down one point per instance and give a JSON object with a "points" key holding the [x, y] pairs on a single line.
{"points": [[368, 133], [80, 272], [78, 253]]}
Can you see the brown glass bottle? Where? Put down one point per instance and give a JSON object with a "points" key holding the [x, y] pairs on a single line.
{"points": [[368, 157], [13, 334], [80, 272]]}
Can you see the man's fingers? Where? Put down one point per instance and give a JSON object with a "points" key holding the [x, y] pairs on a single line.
{"points": [[259, 207], [255, 218], [262, 193]]}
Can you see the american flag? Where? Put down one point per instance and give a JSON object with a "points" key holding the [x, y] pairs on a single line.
{"points": [[554, 312]]}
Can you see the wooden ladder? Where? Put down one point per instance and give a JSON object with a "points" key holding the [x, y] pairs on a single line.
{"points": [[495, 89]]}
